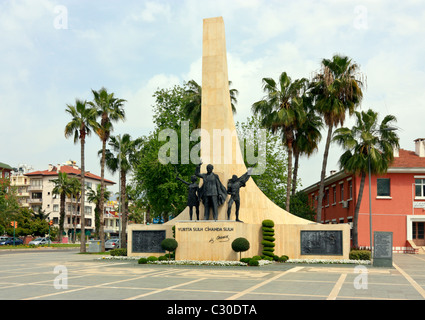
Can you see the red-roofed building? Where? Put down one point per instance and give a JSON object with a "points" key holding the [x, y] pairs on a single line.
{"points": [[398, 200], [40, 195]]}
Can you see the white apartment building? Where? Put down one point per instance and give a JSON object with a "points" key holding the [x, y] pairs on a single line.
{"points": [[36, 190]]}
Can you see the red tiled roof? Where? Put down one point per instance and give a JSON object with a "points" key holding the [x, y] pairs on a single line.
{"points": [[408, 159], [68, 170]]}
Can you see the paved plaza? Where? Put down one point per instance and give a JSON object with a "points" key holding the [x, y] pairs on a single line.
{"points": [[67, 275]]}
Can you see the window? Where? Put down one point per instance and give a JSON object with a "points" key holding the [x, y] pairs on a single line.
{"points": [[55, 208], [350, 189], [383, 186], [420, 187], [334, 192], [327, 197], [341, 189]]}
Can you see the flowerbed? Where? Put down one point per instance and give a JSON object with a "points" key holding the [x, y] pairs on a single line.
{"points": [[328, 261], [187, 262]]}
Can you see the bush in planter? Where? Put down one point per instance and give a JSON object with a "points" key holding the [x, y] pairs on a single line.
{"points": [[162, 258], [142, 261], [240, 245], [152, 258]]}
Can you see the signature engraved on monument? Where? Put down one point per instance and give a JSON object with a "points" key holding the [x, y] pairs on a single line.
{"points": [[224, 238]]}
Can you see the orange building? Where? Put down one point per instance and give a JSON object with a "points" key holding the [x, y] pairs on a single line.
{"points": [[397, 201]]}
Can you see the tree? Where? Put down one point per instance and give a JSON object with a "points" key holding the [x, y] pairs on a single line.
{"points": [[193, 102], [337, 88], [93, 196], [109, 109], [123, 154], [366, 141], [240, 245], [83, 121], [307, 136], [281, 112], [61, 188], [272, 182], [153, 180]]}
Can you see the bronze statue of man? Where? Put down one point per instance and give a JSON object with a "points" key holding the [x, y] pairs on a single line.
{"points": [[192, 196], [212, 193], [233, 187]]}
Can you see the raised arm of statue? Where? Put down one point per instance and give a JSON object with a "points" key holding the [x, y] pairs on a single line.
{"points": [[198, 171], [183, 181]]}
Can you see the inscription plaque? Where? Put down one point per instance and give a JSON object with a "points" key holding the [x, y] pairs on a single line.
{"points": [[383, 249], [147, 240], [327, 242]]}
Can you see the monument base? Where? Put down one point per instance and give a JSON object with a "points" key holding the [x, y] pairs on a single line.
{"points": [[212, 240]]}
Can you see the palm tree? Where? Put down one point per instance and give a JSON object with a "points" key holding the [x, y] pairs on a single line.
{"points": [[337, 89], [94, 197], [61, 188], [109, 109], [282, 111], [74, 191], [123, 154], [192, 107], [307, 137], [366, 141], [83, 121]]}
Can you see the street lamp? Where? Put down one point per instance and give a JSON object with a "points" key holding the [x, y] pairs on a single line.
{"points": [[370, 191]]}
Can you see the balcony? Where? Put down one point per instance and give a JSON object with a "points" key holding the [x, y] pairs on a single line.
{"points": [[33, 187], [36, 200]]}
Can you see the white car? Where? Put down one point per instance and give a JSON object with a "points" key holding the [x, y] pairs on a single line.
{"points": [[39, 241], [112, 244]]}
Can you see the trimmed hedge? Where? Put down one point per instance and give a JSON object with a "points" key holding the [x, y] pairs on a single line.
{"points": [[359, 255], [268, 239]]}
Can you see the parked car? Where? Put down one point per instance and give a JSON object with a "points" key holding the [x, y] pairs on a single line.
{"points": [[3, 239], [10, 242], [39, 241], [112, 244]]}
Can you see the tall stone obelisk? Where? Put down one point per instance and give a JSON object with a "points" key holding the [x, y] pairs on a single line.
{"points": [[219, 142]]}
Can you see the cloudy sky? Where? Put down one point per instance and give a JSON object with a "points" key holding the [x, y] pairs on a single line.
{"points": [[53, 52]]}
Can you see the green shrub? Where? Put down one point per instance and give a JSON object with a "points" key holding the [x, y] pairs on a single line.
{"points": [[276, 258], [359, 255], [267, 243], [283, 258], [256, 257], [245, 260], [267, 255], [268, 223], [268, 239], [118, 252], [240, 245], [162, 258], [169, 244], [253, 262], [152, 258], [142, 261]]}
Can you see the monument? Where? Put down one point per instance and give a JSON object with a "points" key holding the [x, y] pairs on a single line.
{"points": [[211, 239]]}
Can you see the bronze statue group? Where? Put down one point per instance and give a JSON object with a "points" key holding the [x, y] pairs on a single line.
{"points": [[213, 193]]}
